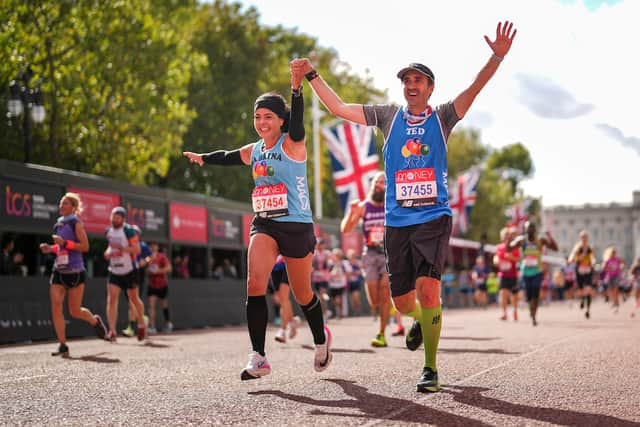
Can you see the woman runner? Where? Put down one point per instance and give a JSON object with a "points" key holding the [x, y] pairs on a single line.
{"points": [[282, 222], [70, 241]]}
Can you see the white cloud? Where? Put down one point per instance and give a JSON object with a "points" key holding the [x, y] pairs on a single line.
{"points": [[568, 61]]}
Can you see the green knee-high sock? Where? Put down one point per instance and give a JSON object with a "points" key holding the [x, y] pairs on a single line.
{"points": [[431, 324]]}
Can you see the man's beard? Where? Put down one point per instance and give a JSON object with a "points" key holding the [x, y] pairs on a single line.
{"points": [[378, 196]]}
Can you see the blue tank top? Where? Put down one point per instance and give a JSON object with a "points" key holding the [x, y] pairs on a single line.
{"points": [[415, 164], [281, 190], [68, 261]]}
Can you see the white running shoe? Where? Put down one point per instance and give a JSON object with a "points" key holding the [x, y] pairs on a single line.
{"points": [[281, 336], [168, 328], [293, 327], [323, 355], [257, 367], [151, 330]]}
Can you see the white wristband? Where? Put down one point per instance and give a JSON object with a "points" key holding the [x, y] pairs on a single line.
{"points": [[497, 58]]}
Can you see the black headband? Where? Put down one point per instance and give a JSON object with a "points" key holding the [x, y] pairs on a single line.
{"points": [[273, 103]]}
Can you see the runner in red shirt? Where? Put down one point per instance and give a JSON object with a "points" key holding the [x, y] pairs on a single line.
{"points": [[507, 263], [157, 269]]}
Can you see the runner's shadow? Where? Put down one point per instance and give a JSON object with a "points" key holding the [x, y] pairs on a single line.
{"points": [[340, 350], [96, 358], [376, 406], [473, 396], [155, 344], [476, 350], [471, 338]]}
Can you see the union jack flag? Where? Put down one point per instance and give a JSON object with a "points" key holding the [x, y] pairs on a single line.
{"points": [[462, 196], [518, 213], [353, 159]]}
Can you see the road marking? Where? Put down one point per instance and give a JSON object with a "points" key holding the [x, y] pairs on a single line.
{"points": [[23, 379], [397, 412]]}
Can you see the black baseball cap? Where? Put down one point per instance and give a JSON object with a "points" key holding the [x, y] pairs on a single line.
{"points": [[423, 69]]}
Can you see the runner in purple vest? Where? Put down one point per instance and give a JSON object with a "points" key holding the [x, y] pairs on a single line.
{"points": [[417, 212], [68, 276], [371, 212]]}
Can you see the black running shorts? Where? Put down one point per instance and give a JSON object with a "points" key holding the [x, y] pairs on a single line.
{"points": [[509, 283], [124, 281], [584, 280], [279, 277], [68, 280], [161, 293], [415, 251], [294, 239]]}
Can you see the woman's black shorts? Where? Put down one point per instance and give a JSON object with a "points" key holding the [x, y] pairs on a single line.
{"points": [[294, 239]]}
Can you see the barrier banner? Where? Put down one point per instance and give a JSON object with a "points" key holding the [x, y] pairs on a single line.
{"points": [[26, 204], [188, 222], [224, 229], [97, 206], [150, 216]]}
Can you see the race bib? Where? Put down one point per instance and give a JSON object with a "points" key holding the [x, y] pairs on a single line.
{"points": [[584, 269], [154, 268], [270, 201], [62, 259], [416, 187], [376, 235], [531, 261], [504, 266], [117, 258]]}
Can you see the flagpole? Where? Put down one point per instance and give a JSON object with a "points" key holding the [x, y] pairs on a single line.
{"points": [[315, 114]]}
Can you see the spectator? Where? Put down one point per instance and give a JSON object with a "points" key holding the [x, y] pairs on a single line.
{"points": [[17, 266], [228, 269], [6, 263], [183, 267]]}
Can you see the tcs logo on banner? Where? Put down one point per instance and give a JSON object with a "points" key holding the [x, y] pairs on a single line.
{"points": [[17, 204]]}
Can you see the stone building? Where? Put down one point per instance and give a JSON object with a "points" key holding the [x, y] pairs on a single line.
{"points": [[607, 224]]}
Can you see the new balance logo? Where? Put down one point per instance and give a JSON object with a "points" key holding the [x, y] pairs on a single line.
{"points": [[435, 320]]}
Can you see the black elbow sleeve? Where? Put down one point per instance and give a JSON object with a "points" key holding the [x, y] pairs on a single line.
{"points": [[223, 157], [296, 121]]}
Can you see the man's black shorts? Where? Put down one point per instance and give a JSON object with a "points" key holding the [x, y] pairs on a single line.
{"points": [[294, 239], [509, 283], [158, 292], [414, 251], [124, 281]]}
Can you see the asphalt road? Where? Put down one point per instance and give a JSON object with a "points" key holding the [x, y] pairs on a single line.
{"points": [[566, 371]]}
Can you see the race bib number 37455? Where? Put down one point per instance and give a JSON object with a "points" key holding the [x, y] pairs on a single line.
{"points": [[416, 187]]}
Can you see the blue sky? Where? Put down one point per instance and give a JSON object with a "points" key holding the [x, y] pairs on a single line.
{"points": [[565, 90]]}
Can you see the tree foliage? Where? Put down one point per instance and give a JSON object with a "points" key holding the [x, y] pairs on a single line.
{"points": [[115, 76]]}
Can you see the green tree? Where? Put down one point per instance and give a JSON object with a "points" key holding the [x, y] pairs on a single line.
{"points": [[115, 76]]}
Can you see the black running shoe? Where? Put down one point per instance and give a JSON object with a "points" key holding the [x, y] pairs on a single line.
{"points": [[428, 382], [63, 351], [414, 337], [100, 328]]}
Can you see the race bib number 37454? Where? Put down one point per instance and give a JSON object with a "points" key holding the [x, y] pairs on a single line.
{"points": [[270, 201], [416, 187]]}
